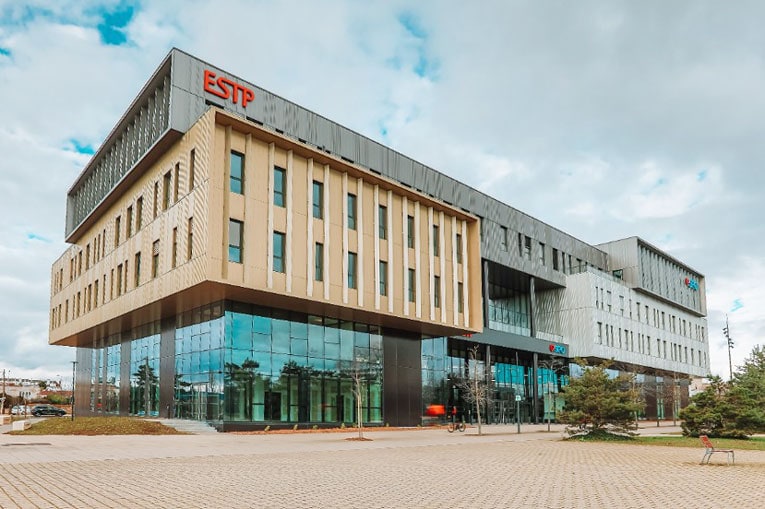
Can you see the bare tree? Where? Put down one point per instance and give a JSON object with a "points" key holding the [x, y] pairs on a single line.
{"points": [[475, 387], [358, 377]]}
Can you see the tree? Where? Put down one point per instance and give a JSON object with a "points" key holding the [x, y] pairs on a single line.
{"points": [[146, 382], [474, 387], [600, 402], [732, 410]]}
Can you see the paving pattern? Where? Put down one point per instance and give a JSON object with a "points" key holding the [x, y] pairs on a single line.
{"points": [[398, 469]]}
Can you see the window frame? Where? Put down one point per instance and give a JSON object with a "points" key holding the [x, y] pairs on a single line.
{"points": [[236, 183], [280, 255], [280, 186], [352, 204], [235, 240], [318, 199]]}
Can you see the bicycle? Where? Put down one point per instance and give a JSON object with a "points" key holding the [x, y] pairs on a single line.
{"points": [[459, 426]]}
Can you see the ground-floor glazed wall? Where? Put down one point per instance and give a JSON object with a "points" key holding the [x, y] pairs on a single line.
{"points": [[242, 366]]}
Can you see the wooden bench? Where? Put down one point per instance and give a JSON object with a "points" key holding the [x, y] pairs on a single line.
{"points": [[711, 449]]}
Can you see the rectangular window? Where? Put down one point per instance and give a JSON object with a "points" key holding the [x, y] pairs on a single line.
{"points": [[139, 213], [235, 241], [280, 185], [236, 167], [556, 262], [155, 259], [600, 333], [136, 268], [458, 246], [436, 241], [190, 240], [351, 270], [192, 167], [527, 247], [437, 291], [351, 211], [542, 254], [119, 280], [318, 262], [382, 222], [460, 298], [174, 260], [279, 249], [117, 231], [503, 237], [412, 284], [87, 257], [129, 220], [410, 231], [176, 179], [318, 200], [95, 295], [155, 204], [166, 190], [383, 278]]}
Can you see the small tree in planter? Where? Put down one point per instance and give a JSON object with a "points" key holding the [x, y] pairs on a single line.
{"points": [[475, 386]]}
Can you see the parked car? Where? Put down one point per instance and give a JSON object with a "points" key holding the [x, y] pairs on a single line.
{"points": [[39, 410], [21, 410]]}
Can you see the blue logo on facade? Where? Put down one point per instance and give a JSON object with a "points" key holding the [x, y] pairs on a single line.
{"points": [[692, 284], [558, 349]]}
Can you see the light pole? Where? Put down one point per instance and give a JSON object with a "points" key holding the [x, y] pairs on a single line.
{"points": [[726, 332], [74, 365]]}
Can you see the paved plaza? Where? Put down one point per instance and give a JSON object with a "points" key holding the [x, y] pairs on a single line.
{"points": [[427, 468]]}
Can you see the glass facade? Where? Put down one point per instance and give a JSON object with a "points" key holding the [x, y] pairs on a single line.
{"points": [[240, 363]]}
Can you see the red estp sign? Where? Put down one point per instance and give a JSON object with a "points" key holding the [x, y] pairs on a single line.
{"points": [[227, 89]]}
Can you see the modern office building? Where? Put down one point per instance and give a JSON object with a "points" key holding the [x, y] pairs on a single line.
{"points": [[238, 259]]}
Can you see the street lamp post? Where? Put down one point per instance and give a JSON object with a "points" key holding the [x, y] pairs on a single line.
{"points": [[74, 365], [726, 332]]}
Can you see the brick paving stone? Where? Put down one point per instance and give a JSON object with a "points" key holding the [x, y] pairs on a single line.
{"points": [[398, 469]]}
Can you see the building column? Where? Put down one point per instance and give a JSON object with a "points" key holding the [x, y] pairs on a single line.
{"points": [[533, 310], [535, 386]]}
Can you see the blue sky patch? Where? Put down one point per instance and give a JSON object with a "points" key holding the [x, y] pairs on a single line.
{"points": [[5, 52], [412, 25], [113, 23], [34, 236], [82, 148]]}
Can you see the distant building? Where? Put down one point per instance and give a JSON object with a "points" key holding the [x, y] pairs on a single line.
{"points": [[235, 258]]}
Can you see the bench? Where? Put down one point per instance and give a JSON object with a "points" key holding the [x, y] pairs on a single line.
{"points": [[21, 425], [711, 449]]}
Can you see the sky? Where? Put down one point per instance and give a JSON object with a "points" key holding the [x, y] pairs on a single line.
{"points": [[605, 119]]}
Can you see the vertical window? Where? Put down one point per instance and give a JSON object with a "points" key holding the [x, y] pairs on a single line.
{"points": [[318, 200], [542, 254], [235, 241], [117, 231], [351, 270], [600, 333], [192, 167], [527, 247], [458, 246], [383, 278], [190, 240], [382, 222], [129, 220], [437, 291], [87, 256], [136, 268], [460, 297], [166, 190], [176, 179], [556, 262], [155, 259], [280, 184], [139, 213], [95, 296], [236, 178], [155, 203], [318, 262], [436, 241], [119, 280], [412, 284], [174, 260], [503, 237], [351, 211], [410, 231], [279, 246]]}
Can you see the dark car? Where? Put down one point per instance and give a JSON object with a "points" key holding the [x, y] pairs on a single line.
{"points": [[39, 410]]}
